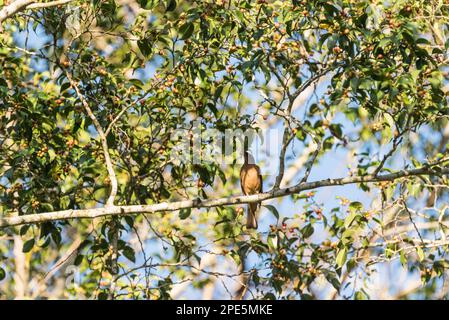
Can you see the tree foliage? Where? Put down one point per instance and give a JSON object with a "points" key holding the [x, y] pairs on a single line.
{"points": [[92, 92]]}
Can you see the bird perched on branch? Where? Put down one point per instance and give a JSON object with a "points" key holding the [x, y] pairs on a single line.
{"points": [[251, 182]]}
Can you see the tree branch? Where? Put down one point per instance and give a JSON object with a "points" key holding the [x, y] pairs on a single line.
{"points": [[39, 5], [104, 142], [287, 138], [13, 8], [114, 185], [198, 203], [19, 5]]}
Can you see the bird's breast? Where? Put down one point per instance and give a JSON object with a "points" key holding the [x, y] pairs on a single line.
{"points": [[250, 179]]}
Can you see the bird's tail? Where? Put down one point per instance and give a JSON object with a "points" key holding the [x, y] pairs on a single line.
{"points": [[251, 221]]}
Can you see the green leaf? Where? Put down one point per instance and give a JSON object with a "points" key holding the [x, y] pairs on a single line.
{"points": [[45, 243], [236, 257], [359, 295], [136, 82], [273, 210], [64, 202], [103, 296], [3, 83], [307, 231], [350, 218], [356, 206], [144, 47], [403, 258], [129, 253], [420, 253], [24, 229], [78, 260], [336, 130], [2, 274], [271, 241], [148, 4], [65, 86], [384, 42], [186, 30], [171, 5], [27, 246], [222, 175], [56, 236], [129, 221], [185, 213], [331, 277], [269, 296], [341, 257], [347, 236], [51, 154]]}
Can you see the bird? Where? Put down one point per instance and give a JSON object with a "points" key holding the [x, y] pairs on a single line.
{"points": [[251, 182]]}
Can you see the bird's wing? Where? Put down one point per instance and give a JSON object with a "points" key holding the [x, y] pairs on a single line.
{"points": [[243, 178], [260, 179]]}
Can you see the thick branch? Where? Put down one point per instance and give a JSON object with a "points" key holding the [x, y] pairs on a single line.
{"points": [[19, 5], [13, 8], [197, 203], [39, 5]]}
